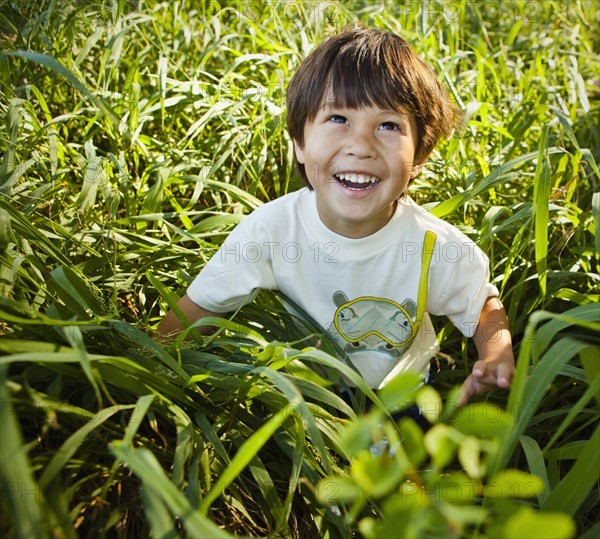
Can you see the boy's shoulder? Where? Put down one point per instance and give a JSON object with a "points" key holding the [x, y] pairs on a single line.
{"points": [[282, 207]]}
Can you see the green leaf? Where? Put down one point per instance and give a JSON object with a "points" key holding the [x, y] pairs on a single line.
{"points": [[20, 346], [527, 523], [75, 338], [38, 233], [298, 406], [482, 419], [412, 440], [441, 443], [591, 533], [469, 455], [358, 435], [527, 392], [322, 358], [337, 489], [456, 488], [141, 339], [591, 366], [587, 316], [399, 393], [5, 230], [295, 474], [512, 483], [14, 116], [378, 476], [430, 403], [575, 409]]}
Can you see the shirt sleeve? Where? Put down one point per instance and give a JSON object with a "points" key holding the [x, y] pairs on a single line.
{"points": [[235, 273], [459, 283]]}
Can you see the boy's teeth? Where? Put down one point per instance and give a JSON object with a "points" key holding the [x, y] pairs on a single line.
{"points": [[357, 178]]}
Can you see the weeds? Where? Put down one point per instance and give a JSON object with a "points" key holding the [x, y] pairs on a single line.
{"points": [[136, 135]]}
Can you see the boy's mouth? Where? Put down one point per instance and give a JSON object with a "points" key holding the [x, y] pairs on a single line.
{"points": [[358, 182]]}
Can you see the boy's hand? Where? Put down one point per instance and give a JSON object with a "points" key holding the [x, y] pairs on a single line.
{"points": [[484, 377], [496, 365]]}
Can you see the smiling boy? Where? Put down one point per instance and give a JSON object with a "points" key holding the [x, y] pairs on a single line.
{"points": [[351, 248]]}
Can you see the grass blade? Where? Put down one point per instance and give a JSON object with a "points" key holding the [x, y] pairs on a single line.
{"points": [[575, 409], [526, 394], [140, 410], [244, 456], [535, 461], [541, 197], [144, 464], [491, 180], [75, 292], [27, 511], [596, 216], [156, 511], [57, 67], [72, 443], [574, 488]]}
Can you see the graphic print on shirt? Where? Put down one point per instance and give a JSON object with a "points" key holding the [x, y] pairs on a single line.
{"points": [[371, 324]]}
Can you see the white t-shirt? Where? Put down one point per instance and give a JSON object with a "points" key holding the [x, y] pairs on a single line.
{"points": [[363, 291]]}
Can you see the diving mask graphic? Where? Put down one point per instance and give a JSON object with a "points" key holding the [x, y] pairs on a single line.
{"points": [[357, 319], [364, 316]]}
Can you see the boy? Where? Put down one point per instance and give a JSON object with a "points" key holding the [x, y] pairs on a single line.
{"points": [[351, 248]]}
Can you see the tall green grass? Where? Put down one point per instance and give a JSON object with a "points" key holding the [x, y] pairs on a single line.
{"points": [[137, 134]]}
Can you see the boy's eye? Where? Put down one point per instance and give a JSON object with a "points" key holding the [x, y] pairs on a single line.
{"points": [[338, 118], [390, 126]]}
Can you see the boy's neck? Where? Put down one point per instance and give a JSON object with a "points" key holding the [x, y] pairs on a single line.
{"points": [[354, 229]]}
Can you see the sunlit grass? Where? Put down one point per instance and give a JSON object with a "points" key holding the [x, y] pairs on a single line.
{"points": [[136, 135]]}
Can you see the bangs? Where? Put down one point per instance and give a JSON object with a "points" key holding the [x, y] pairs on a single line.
{"points": [[363, 77], [375, 69]]}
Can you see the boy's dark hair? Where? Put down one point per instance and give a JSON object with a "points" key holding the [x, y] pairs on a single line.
{"points": [[359, 67]]}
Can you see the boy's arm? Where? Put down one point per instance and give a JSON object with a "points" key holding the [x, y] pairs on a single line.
{"points": [[170, 325], [496, 364]]}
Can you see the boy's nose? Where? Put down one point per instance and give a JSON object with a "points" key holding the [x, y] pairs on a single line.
{"points": [[360, 144]]}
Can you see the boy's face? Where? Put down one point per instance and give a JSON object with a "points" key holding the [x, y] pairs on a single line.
{"points": [[359, 162]]}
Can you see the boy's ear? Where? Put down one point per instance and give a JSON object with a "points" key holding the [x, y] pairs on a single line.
{"points": [[299, 152], [415, 169], [418, 165]]}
